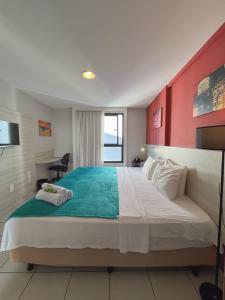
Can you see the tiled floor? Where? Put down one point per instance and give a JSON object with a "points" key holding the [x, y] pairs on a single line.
{"points": [[47, 283]]}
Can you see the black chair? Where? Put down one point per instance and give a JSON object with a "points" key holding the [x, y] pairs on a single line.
{"points": [[40, 182], [63, 167]]}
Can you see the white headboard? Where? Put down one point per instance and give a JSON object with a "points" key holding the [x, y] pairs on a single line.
{"points": [[203, 173]]}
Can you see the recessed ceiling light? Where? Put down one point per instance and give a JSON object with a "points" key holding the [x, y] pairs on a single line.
{"points": [[88, 75]]}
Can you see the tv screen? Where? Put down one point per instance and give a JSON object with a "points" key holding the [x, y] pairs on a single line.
{"points": [[9, 134]]}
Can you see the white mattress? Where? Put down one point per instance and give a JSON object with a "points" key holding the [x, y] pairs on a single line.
{"points": [[147, 221]]}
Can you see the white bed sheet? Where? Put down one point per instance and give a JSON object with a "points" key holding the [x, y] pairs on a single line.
{"points": [[147, 221]]}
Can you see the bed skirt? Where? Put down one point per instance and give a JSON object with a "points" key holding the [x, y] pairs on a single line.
{"points": [[113, 258]]}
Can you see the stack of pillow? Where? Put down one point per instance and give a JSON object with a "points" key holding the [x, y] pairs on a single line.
{"points": [[168, 177]]}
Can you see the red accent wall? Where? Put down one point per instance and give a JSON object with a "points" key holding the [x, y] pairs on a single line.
{"points": [[157, 135], [177, 98]]}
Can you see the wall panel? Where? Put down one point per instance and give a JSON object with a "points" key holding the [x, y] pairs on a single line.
{"points": [[16, 162], [203, 174]]}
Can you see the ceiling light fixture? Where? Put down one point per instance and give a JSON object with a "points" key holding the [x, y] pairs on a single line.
{"points": [[88, 75]]}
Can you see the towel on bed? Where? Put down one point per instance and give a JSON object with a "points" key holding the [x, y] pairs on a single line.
{"points": [[58, 189], [53, 198], [96, 196]]}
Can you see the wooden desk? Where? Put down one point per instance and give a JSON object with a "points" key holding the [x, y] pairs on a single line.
{"points": [[48, 160]]}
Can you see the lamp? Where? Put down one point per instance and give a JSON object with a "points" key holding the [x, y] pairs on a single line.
{"points": [[143, 154], [213, 138]]}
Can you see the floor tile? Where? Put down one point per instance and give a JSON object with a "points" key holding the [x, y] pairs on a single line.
{"points": [[172, 285], [9, 266], [3, 258], [49, 269], [46, 286], [12, 285], [130, 285], [88, 286]]}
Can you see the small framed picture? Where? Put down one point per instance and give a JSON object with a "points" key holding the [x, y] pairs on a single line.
{"points": [[157, 118], [44, 128]]}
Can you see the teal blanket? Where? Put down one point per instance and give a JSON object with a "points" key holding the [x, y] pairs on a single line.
{"points": [[95, 192]]}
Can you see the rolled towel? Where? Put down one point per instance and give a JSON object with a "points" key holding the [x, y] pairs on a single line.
{"points": [[53, 198], [58, 189]]}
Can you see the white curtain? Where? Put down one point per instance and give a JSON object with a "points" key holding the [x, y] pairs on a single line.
{"points": [[88, 144]]}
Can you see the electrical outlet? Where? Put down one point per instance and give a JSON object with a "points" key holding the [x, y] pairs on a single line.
{"points": [[29, 176], [11, 188]]}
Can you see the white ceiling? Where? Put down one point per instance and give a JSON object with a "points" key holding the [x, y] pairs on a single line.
{"points": [[134, 46]]}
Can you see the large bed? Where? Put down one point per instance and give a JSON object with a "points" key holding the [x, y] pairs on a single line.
{"points": [[150, 231]]}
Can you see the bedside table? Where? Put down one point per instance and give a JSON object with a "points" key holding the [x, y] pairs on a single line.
{"points": [[137, 164]]}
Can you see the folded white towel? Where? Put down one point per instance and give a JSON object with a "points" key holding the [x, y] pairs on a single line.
{"points": [[58, 189], [53, 198]]}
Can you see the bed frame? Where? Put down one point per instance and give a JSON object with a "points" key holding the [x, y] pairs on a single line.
{"points": [[189, 257], [197, 189]]}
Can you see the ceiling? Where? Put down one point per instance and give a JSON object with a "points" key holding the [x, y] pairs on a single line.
{"points": [[134, 46]]}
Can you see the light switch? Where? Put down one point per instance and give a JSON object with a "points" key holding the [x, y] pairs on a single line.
{"points": [[29, 176], [11, 188]]}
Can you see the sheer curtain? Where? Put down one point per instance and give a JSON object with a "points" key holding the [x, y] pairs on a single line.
{"points": [[88, 139]]}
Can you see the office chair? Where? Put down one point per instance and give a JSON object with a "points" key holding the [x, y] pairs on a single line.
{"points": [[63, 167]]}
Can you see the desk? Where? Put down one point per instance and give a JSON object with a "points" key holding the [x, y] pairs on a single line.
{"points": [[48, 160]]}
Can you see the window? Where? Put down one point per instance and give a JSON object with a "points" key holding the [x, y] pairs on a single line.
{"points": [[113, 138]]}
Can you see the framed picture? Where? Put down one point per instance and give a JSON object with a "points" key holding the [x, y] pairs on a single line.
{"points": [[157, 118], [44, 128], [210, 94]]}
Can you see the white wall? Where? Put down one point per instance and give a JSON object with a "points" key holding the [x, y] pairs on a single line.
{"points": [[63, 139], [18, 101], [17, 165], [136, 133], [37, 111], [7, 95], [61, 120]]}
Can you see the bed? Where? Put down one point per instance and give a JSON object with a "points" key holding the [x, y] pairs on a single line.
{"points": [[150, 231]]}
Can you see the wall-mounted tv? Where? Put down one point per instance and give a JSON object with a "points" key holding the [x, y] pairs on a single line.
{"points": [[9, 134]]}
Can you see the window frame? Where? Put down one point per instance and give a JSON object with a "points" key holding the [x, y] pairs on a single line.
{"points": [[117, 145]]}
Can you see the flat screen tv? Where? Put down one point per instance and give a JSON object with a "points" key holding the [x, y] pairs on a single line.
{"points": [[9, 134]]}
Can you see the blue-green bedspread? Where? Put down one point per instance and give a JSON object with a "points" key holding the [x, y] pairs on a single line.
{"points": [[95, 192]]}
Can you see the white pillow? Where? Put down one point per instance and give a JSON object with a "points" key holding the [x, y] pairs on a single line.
{"points": [[147, 165], [167, 179], [150, 165], [182, 185]]}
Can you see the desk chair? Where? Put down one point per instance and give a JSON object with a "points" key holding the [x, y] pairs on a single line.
{"points": [[63, 167]]}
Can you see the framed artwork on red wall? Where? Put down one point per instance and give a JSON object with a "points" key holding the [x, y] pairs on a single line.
{"points": [[157, 118], [210, 93]]}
